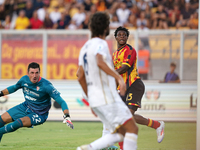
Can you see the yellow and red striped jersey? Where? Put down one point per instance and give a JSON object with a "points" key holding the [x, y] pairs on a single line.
{"points": [[126, 55]]}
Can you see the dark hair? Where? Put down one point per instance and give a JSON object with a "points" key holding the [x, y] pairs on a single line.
{"points": [[173, 64], [99, 22], [33, 65], [121, 29]]}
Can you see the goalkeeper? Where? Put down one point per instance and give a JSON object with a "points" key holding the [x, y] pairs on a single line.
{"points": [[35, 109]]}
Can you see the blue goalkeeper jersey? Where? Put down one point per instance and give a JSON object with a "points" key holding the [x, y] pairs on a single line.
{"points": [[38, 95]]}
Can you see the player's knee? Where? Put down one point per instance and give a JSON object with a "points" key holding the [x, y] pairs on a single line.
{"points": [[6, 118], [26, 122], [2, 123]]}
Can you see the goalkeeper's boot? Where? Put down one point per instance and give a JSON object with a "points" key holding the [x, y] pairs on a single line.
{"points": [[160, 131]]}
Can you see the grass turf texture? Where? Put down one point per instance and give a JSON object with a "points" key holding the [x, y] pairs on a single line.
{"points": [[57, 136]]}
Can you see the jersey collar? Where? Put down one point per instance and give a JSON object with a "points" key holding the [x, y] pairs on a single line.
{"points": [[121, 47], [39, 79]]}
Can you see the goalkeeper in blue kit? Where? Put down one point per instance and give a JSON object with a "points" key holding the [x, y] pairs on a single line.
{"points": [[35, 109]]}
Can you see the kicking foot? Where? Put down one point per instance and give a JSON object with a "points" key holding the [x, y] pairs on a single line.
{"points": [[160, 131]]}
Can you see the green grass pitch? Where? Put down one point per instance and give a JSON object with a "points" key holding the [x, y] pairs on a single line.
{"points": [[57, 136]]}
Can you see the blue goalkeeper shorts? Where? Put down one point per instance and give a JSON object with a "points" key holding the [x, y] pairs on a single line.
{"points": [[22, 110]]}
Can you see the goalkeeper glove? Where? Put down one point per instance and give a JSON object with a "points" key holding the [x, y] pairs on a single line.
{"points": [[67, 120]]}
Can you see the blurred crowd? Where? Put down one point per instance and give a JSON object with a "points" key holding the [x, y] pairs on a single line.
{"points": [[75, 14]]}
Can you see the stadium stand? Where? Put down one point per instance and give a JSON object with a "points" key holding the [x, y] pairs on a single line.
{"points": [[163, 47], [134, 8]]}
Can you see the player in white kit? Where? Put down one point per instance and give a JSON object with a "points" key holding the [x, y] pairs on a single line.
{"points": [[98, 80]]}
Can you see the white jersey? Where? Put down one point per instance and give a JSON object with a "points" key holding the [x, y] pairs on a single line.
{"points": [[101, 87]]}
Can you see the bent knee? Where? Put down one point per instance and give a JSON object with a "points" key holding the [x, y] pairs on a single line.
{"points": [[6, 117], [26, 121]]}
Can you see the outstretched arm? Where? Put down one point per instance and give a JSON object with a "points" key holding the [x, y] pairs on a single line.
{"points": [[53, 93], [4, 92], [63, 104], [10, 89], [65, 109]]}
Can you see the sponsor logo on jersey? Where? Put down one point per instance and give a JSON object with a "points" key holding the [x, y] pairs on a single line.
{"points": [[26, 90], [34, 94], [54, 91], [37, 88], [30, 98]]}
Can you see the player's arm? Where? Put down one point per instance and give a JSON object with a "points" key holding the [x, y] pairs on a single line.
{"points": [[103, 65], [53, 93], [81, 79], [65, 109], [4, 92], [11, 89], [123, 69]]}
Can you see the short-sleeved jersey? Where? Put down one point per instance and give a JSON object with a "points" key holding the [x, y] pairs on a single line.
{"points": [[37, 95], [126, 55], [101, 87]]}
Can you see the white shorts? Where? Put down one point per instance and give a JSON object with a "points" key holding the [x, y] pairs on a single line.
{"points": [[113, 115]]}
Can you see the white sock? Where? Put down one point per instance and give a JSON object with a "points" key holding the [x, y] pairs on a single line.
{"points": [[105, 130], [130, 141], [106, 141]]}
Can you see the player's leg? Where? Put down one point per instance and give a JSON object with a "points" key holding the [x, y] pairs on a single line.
{"points": [[145, 121], [21, 116], [4, 118], [105, 132], [108, 139], [112, 116], [27, 121], [133, 101], [158, 125], [37, 119], [130, 138], [11, 127], [13, 114]]}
